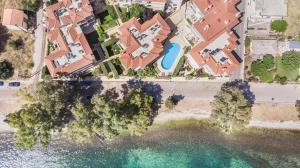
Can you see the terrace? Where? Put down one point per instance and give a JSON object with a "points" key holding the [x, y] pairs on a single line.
{"points": [[144, 39], [76, 49], [193, 14]]}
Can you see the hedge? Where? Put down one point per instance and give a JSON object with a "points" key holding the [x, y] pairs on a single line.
{"points": [[103, 69], [178, 66], [113, 69], [108, 43]]}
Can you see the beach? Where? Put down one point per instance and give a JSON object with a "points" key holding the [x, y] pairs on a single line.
{"points": [[265, 115]]}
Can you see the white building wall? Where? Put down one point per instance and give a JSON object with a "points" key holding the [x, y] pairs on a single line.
{"points": [[151, 5]]}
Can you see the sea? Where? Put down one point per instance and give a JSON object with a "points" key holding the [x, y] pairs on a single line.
{"points": [[168, 147]]}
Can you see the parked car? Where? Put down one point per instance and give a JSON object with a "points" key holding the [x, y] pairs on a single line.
{"points": [[14, 84], [1, 83]]}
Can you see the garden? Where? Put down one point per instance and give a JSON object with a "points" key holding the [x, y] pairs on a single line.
{"points": [[280, 69], [108, 18]]}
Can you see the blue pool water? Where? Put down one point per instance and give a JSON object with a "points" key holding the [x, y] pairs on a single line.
{"points": [[170, 55]]}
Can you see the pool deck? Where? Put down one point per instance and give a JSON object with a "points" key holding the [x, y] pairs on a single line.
{"points": [[181, 43]]}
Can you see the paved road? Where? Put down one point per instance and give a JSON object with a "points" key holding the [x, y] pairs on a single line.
{"points": [[206, 90], [203, 91], [280, 93], [191, 90]]}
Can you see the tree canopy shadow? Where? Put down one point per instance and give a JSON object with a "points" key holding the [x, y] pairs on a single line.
{"points": [[86, 89], [177, 98], [4, 36], [244, 87]]}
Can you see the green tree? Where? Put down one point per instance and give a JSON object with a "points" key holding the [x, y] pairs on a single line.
{"points": [[6, 70], [31, 5], [80, 129], [230, 109], [262, 68], [35, 122], [57, 98], [279, 25], [136, 11], [136, 108]]}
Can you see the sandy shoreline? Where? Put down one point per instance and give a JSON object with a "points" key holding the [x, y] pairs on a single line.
{"points": [[266, 115]]}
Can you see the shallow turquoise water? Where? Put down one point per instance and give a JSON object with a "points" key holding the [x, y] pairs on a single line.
{"points": [[168, 148]]}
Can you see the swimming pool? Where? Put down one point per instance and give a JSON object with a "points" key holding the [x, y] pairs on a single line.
{"points": [[170, 56]]}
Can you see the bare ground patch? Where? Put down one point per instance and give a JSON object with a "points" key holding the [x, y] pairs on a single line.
{"points": [[20, 58], [274, 112], [293, 18]]}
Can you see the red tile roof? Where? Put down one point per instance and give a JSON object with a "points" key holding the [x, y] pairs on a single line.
{"points": [[128, 40], [220, 16], [55, 35], [13, 17]]}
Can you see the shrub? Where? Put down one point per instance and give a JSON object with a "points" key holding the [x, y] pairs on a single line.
{"points": [[179, 66], [29, 65], [6, 70], [101, 33], [148, 71], [103, 69], [45, 74], [279, 25], [247, 42], [16, 44], [170, 103], [131, 72], [111, 11], [280, 79]]}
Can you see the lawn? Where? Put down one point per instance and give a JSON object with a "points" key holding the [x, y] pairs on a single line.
{"points": [[281, 70]]}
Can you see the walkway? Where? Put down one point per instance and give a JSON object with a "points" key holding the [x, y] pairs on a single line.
{"points": [[39, 48]]}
